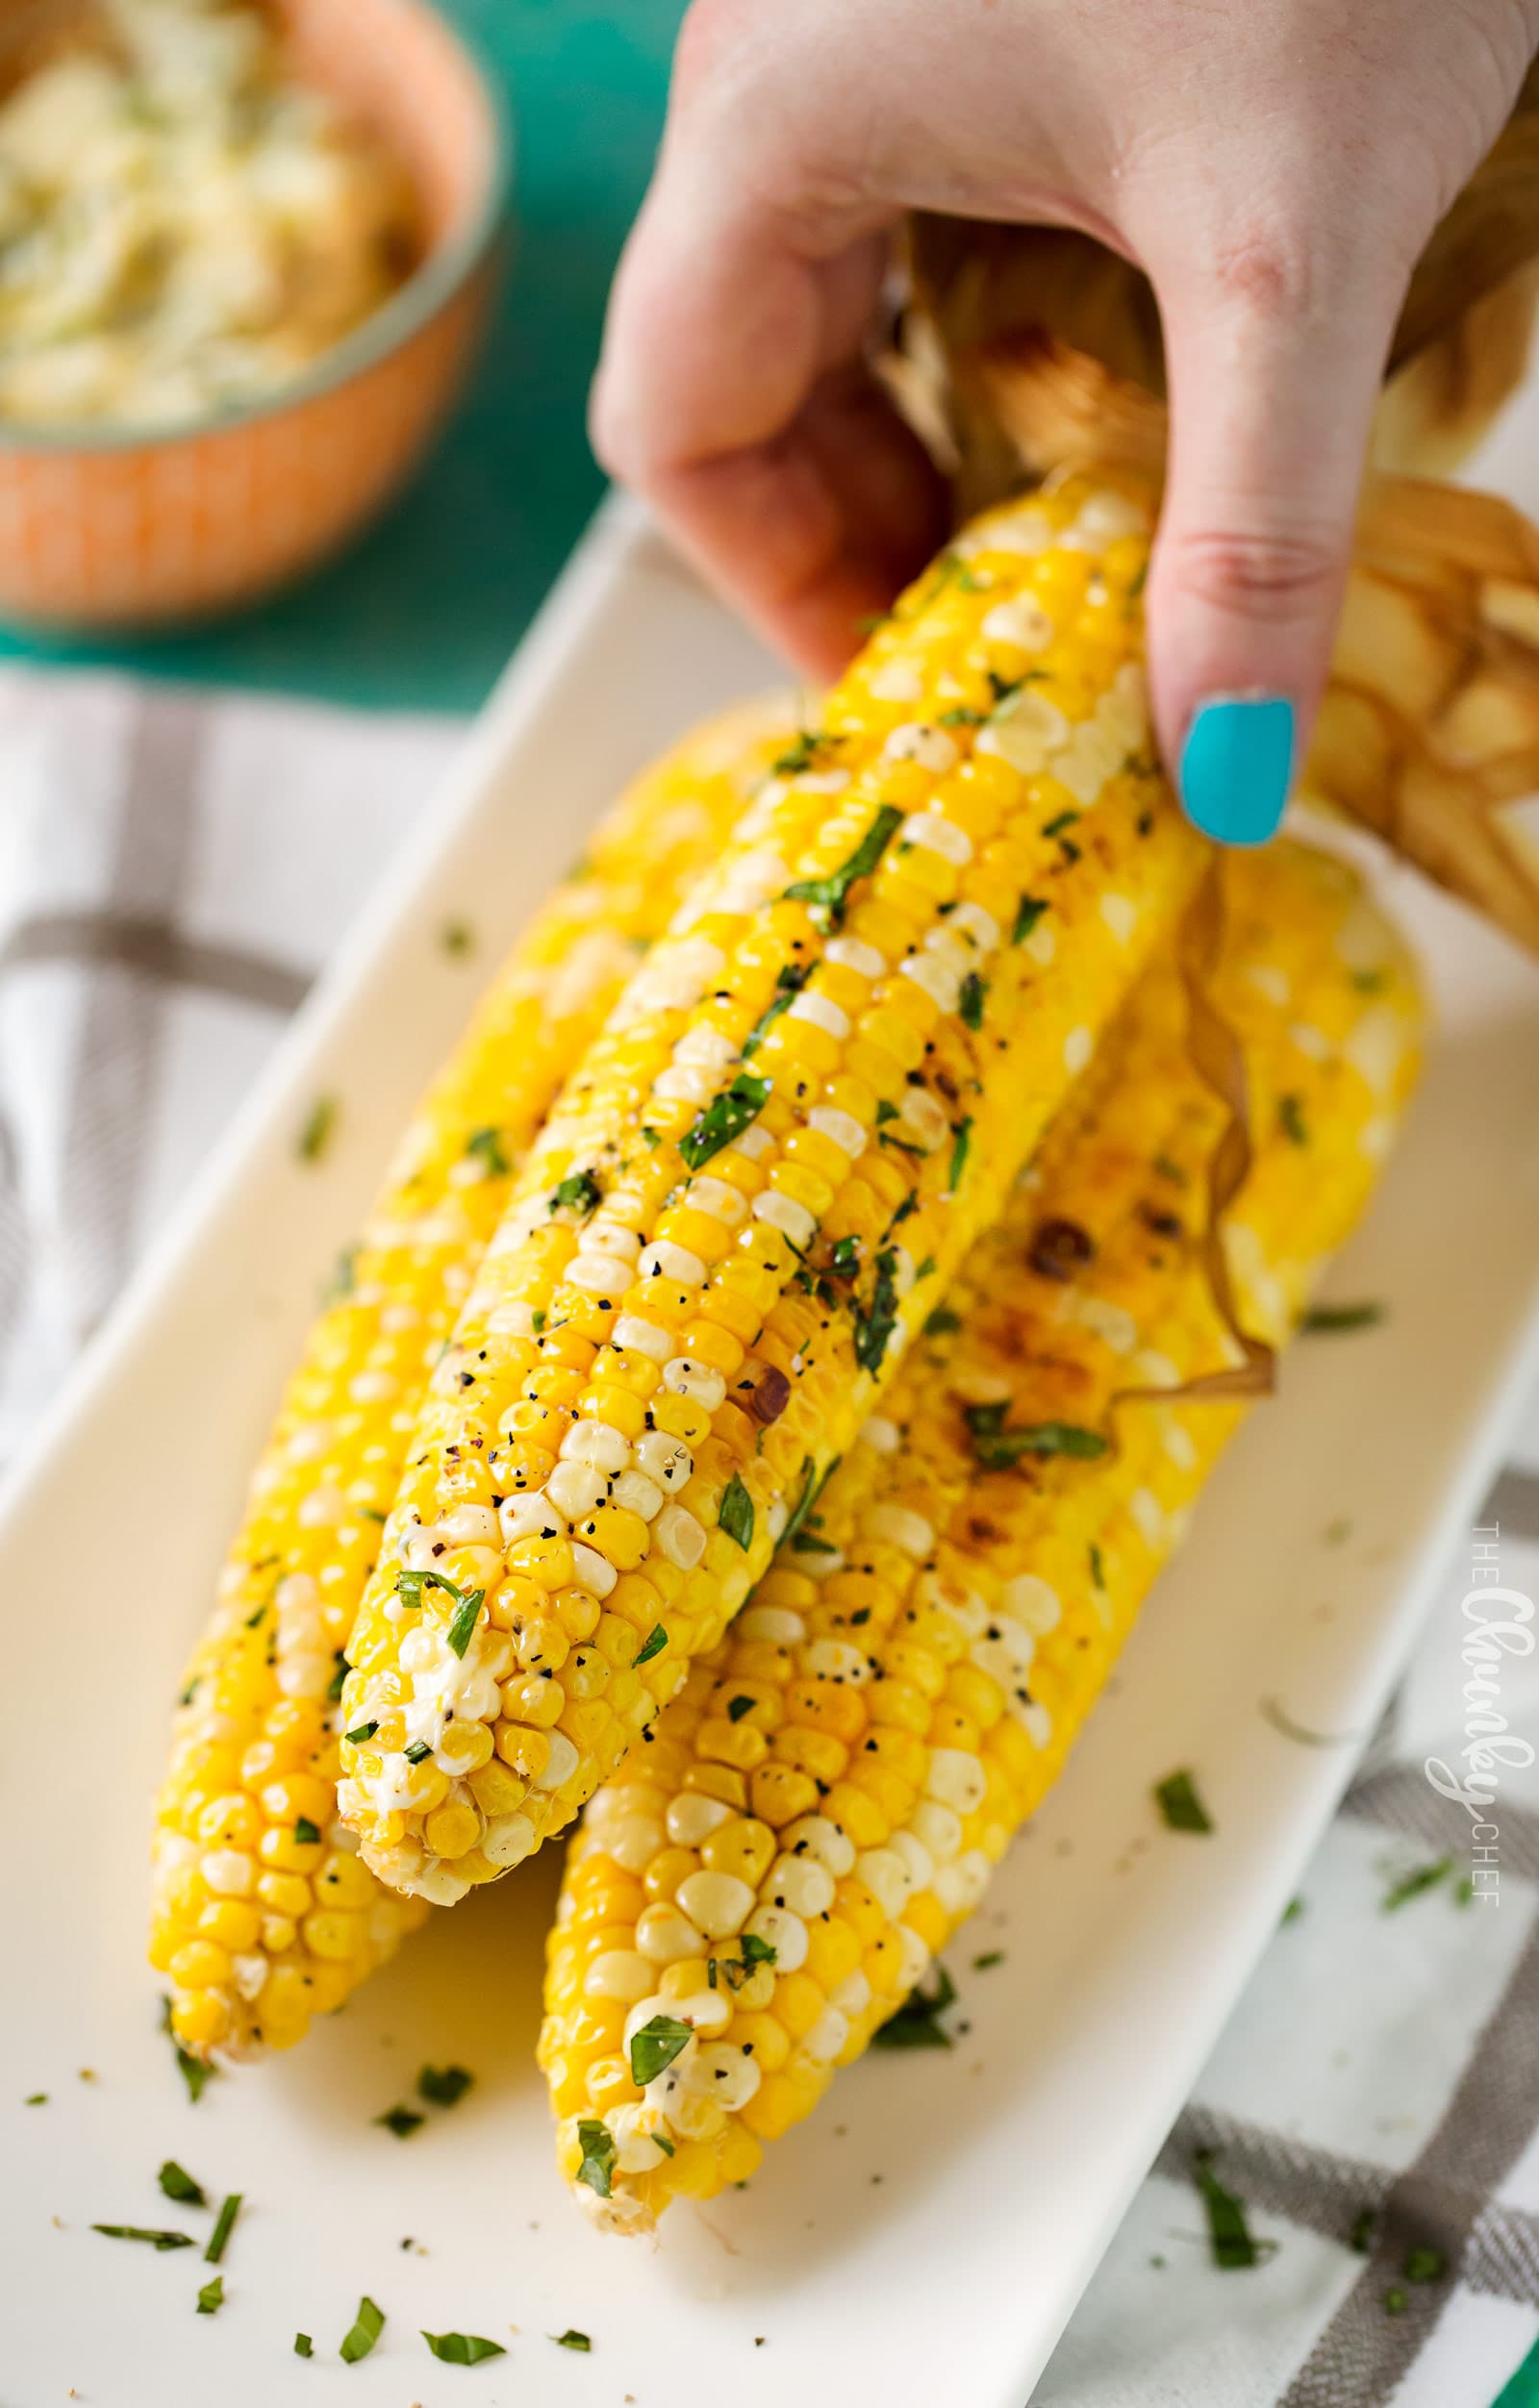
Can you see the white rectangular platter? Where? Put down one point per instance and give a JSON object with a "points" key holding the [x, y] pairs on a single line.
{"points": [[925, 2238]]}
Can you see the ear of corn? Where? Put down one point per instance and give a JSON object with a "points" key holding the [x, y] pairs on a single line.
{"points": [[808, 1103], [264, 1914], [756, 1892]]}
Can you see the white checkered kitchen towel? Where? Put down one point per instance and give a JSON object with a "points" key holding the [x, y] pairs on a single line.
{"points": [[173, 868]]}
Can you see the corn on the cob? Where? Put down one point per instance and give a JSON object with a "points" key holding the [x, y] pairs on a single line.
{"points": [[754, 1893], [264, 1914], [807, 1104]]}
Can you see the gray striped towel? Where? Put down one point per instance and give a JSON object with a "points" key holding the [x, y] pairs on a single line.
{"points": [[173, 869]]}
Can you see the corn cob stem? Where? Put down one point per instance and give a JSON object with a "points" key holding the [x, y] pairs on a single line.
{"points": [[755, 1892], [809, 1100], [264, 1914]]}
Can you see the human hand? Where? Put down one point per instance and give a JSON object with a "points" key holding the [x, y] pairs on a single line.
{"points": [[1275, 168]]}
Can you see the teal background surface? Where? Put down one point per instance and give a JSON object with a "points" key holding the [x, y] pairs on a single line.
{"points": [[423, 612]]}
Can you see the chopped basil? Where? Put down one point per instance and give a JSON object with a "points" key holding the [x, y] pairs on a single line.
{"points": [[224, 2228], [1395, 2300], [1327, 1319], [1291, 1119], [874, 1327], [304, 2346], [808, 750], [457, 937], [1415, 1884], [178, 2184], [917, 2023], [1098, 1566], [724, 1117], [305, 1832], [571, 2339], [443, 2086], [998, 1449], [942, 1322], [580, 1194], [1180, 1805], [990, 1958], [1361, 2237], [737, 1970], [736, 1514], [37, 2098], [460, 1630], [1291, 1913], [194, 2072], [1028, 911], [1064, 819], [147, 2232], [403, 2122], [652, 1644], [419, 1752], [210, 2299], [827, 898], [364, 2331], [843, 1263], [791, 978], [343, 1278], [962, 1140], [812, 1489], [340, 1667], [485, 1147], [737, 1707], [961, 714], [1369, 982], [461, 2349], [664, 2142], [1424, 2265], [598, 2144], [651, 1139], [654, 2048], [1228, 2233], [316, 1134], [969, 1001], [360, 1734]]}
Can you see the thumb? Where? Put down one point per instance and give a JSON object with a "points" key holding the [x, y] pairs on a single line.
{"points": [[1272, 398]]}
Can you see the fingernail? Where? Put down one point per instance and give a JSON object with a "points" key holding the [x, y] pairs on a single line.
{"points": [[1237, 766]]}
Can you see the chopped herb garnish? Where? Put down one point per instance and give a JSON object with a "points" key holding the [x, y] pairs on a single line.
{"points": [[1180, 1805], [961, 714], [316, 1134], [1415, 1883], [737, 1707], [917, 2023], [1424, 2265], [1327, 1319], [364, 2331], [724, 1117], [360, 1734], [942, 1322], [598, 2144], [147, 2232], [1291, 1119], [1291, 1913], [664, 2142], [1028, 911], [403, 2122], [1361, 2236], [340, 1667], [652, 1644], [1369, 982], [571, 2339], [342, 1280], [222, 2229], [443, 2086], [1169, 1169], [651, 1139], [970, 1000], [990, 1958], [792, 977], [178, 2184], [805, 1543], [37, 2098], [736, 1970], [485, 1147], [736, 1513], [828, 898], [843, 1263], [461, 2349], [1395, 2300], [963, 1136], [457, 937], [654, 2048], [1064, 819], [1097, 1565], [210, 2299], [998, 1449], [304, 2346], [808, 750], [306, 1832], [874, 1327], [419, 1752], [580, 1194], [194, 2072], [537, 1320], [1234, 2248], [460, 1630]]}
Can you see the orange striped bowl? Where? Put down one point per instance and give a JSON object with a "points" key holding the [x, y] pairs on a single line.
{"points": [[131, 530]]}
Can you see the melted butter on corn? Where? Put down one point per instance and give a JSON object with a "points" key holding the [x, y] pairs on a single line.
{"points": [[843, 1032]]}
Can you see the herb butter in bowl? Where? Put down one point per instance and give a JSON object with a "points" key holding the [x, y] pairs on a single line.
{"points": [[244, 250]]}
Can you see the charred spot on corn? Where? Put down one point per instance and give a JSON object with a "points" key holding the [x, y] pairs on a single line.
{"points": [[1059, 1248]]}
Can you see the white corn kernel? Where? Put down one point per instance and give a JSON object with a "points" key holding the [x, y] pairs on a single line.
{"points": [[698, 1381], [884, 1437], [1079, 1046], [1031, 1601], [693, 1818], [560, 1763], [638, 1494], [634, 1336], [895, 681], [598, 1274], [783, 1213], [956, 1779], [666, 1460], [938, 1828], [934, 834], [574, 1490], [664, 1934], [680, 1537], [718, 1902], [721, 2072], [591, 1571], [633, 1841], [506, 1841], [821, 1012], [714, 1196], [1121, 915], [525, 1514], [229, 1872], [971, 919], [850, 953], [663, 1258], [815, 1835], [918, 740], [619, 1973], [841, 1128], [805, 1887], [1021, 621], [595, 1442], [917, 1862], [894, 1525], [887, 1877], [779, 1624], [784, 1931], [684, 1083]]}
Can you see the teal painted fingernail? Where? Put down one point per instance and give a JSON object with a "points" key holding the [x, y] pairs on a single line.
{"points": [[1237, 766]]}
